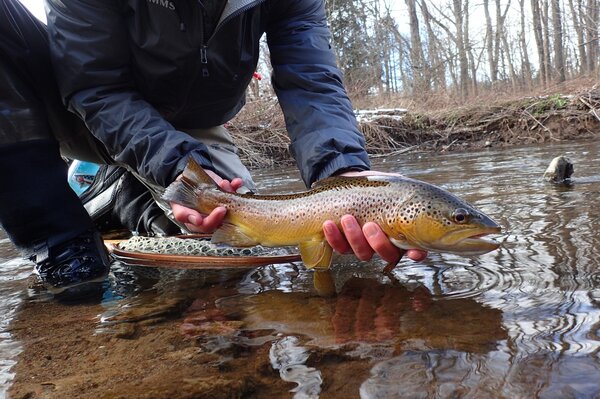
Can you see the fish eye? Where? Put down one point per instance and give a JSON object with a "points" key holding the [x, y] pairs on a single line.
{"points": [[460, 215]]}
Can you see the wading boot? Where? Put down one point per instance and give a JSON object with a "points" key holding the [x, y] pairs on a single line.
{"points": [[45, 219], [75, 267]]}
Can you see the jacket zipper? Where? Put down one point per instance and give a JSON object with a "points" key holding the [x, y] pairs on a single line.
{"points": [[204, 46], [203, 43], [204, 60]]}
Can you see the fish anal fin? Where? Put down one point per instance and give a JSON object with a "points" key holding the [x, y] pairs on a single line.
{"points": [[232, 235], [316, 253]]}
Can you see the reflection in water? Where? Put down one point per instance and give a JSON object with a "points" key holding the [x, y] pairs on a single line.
{"points": [[151, 296], [367, 312], [520, 322]]}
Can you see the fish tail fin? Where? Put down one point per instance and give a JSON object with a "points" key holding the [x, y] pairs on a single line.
{"points": [[182, 191]]}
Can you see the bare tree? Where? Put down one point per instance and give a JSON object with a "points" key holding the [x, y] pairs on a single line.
{"points": [[416, 49], [489, 43], [352, 43], [591, 17], [578, 26], [557, 38], [546, 39], [526, 68], [445, 47], [463, 61], [538, 30], [434, 50]]}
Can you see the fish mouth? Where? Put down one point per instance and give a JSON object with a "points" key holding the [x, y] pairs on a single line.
{"points": [[470, 242]]}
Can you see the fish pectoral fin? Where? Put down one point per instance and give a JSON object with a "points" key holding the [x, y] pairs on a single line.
{"points": [[316, 253], [232, 235]]}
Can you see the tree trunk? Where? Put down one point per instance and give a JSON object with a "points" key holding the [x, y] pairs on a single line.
{"points": [[470, 55], [591, 29], [434, 52], [463, 62], [546, 33], [416, 49], [510, 62], [536, 14], [577, 25], [489, 44], [557, 36], [526, 71]]}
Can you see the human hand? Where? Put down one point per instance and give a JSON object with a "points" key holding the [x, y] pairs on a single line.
{"points": [[367, 240], [196, 222]]}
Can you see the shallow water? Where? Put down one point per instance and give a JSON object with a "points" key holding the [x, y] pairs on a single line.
{"points": [[520, 322]]}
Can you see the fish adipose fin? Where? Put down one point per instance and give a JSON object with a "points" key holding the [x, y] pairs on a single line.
{"points": [[232, 235], [182, 191], [316, 253]]}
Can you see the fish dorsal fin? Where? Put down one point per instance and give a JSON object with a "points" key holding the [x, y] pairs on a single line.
{"points": [[333, 181], [324, 182], [232, 235], [195, 175], [316, 253]]}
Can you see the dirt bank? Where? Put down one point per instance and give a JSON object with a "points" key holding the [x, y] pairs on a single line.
{"points": [[529, 120]]}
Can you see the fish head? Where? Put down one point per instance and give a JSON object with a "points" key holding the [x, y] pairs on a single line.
{"points": [[434, 219]]}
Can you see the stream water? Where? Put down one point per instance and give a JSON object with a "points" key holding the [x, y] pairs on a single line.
{"points": [[520, 322]]}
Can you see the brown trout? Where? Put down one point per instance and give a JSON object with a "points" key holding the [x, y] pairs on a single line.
{"points": [[412, 213]]}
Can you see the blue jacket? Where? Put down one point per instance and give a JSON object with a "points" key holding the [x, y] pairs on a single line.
{"points": [[136, 70]]}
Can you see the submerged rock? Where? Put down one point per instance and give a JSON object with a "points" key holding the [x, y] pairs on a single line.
{"points": [[559, 171]]}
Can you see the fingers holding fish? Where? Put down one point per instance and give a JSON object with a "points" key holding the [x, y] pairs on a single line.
{"points": [[356, 238], [225, 185], [381, 243], [195, 222], [416, 254], [353, 240], [335, 238], [231, 186], [366, 241]]}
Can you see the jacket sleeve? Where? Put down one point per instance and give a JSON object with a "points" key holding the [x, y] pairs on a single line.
{"points": [[90, 52], [324, 134]]}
